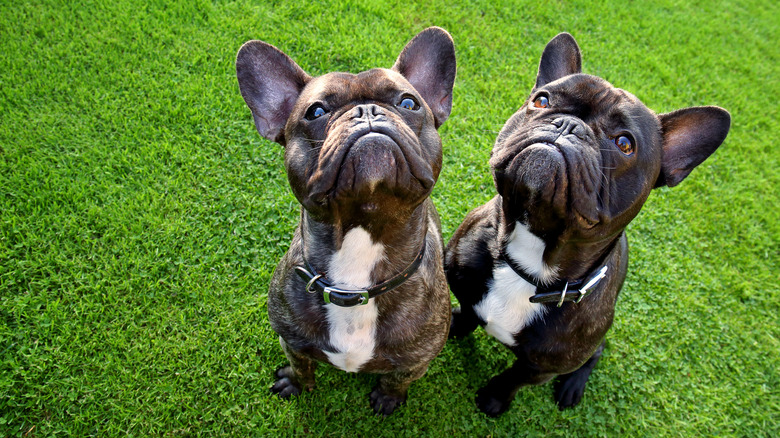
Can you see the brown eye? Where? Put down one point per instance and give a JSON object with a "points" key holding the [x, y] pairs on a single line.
{"points": [[541, 102], [625, 144]]}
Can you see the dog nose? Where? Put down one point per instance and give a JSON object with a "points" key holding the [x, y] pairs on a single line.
{"points": [[570, 126], [369, 112]]}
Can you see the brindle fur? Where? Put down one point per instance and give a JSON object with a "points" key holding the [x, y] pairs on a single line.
{"points": [[340, 190], [558, 172]]}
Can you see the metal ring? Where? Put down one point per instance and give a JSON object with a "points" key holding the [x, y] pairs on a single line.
{"points": [[311, 283], [563, 294]]}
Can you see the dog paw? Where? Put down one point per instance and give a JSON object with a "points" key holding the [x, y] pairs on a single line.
{"points": [[568, 390], [490, 405], [285, 371], [285, 386], [384, 404]]}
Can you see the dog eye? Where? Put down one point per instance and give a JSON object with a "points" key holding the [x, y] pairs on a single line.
{"points": [[315, 112], [541, 102], [625, 144], [409, 104]]}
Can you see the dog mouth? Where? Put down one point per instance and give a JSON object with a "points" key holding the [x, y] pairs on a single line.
{"points": [[537, 170], [544, 173], [367, 163]]}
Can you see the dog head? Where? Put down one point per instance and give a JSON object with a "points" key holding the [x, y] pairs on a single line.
{"points": [[358, 147], [580, 157]]}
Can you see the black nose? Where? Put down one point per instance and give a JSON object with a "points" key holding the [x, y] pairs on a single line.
{"points": [[368, 112], [570, 126]]}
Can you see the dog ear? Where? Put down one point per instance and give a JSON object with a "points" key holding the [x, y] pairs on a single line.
{"points": [[561, 57], [428, 63], [270, 83], [690, 135]]}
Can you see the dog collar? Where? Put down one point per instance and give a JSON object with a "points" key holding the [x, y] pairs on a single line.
{"points": [[559, 292], [317, 283]]}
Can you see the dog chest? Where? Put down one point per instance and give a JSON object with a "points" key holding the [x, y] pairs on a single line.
{"points": [[506, 308], [353, 329], [352, 332]]}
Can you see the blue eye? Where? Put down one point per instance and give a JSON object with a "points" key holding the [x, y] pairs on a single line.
{"points": [[315, 111], [409, 104], [625, 144]]}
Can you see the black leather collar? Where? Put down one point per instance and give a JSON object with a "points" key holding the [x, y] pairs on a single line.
{"points": [[346, 297], [561, 291]]}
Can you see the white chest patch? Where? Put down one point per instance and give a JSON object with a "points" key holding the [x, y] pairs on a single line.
{"points": [[506, 308], [353, 329]]}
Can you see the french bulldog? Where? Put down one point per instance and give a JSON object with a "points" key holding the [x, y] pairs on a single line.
{"points": [[362, 286], [540, 265]]}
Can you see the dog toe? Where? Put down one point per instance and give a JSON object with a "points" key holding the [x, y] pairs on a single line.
{"points": [[285, 388], [490, 405], [384, 404], [568, 392]]}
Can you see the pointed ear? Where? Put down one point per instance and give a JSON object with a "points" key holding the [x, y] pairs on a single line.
{"points": [[428, 63], [690, 135], [561, 57], [270, 82]]}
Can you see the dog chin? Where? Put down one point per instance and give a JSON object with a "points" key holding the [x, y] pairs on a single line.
{"points": [[539, 169], [373, 160]]}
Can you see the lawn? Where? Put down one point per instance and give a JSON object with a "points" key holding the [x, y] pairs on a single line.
{"points": [[141, 218]]}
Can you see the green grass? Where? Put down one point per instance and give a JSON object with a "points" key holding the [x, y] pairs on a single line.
{"points": [[141, 217]]}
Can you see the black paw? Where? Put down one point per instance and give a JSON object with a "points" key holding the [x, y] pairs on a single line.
{"points": [[285, 386], [461, 325], [384, 404], [568, 390], [490, 405]]}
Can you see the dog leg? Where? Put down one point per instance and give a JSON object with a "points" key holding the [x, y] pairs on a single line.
{"points": [[496, 397], [568, 388], [297, 376], [464, 321], [392, 388]]}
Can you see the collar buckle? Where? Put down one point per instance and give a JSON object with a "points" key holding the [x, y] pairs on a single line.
{"points": [[360, 297], [592, 281], [363, 300]]}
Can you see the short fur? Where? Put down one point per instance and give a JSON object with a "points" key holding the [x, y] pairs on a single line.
{"points": [[362, 161], [561, 177]]}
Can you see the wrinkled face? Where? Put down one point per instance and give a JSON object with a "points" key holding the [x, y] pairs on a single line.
{"points": [[578, 159], [361, 147]]}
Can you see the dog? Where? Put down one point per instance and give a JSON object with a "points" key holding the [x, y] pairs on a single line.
{"points": [[362, 286], [541, 264]]}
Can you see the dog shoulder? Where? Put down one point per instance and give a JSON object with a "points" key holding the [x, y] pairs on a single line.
{"points": [[472, 239], [470, 254]]}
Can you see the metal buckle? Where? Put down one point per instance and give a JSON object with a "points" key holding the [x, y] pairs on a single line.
{"points": [[363, 298], [363, 295], [592, 282]]}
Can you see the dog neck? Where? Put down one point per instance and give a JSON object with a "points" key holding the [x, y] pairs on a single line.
{"points": [[357, 257], [552, 258]]}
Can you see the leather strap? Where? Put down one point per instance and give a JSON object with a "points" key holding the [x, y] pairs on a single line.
{"points": [[561, 291], [349, 297]]}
